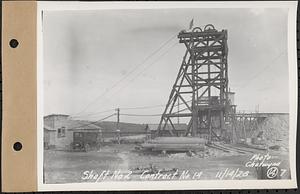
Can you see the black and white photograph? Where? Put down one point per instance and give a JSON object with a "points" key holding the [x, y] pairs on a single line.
{"points": [[177, 93]]}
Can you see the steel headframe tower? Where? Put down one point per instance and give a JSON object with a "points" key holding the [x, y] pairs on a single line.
{"points": [[201, 86]]}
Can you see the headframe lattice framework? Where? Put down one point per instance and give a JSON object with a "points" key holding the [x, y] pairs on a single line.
{"points": [[201, 86]]}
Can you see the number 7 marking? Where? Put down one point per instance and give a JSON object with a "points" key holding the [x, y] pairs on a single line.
{"points": [[282, 172]]}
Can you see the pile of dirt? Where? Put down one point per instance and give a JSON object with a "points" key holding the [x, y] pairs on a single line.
{"points": [[275, 130]]}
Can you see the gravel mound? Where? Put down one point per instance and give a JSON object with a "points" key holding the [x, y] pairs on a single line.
{"points": [[275, 130]]}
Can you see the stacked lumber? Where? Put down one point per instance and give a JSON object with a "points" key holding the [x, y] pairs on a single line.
{"points": [[174, 144]]}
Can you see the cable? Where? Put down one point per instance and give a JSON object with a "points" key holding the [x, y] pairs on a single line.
{"points": [[157, 59], [138, 115], [264, 69], [95, 121], [154, 106], [119, 81], [93, 113], [144, 69], [146, 59], [135, 108], [144, 107], [131, 108]]}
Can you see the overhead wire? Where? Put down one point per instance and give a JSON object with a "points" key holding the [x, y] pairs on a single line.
{"points": [[144, 69], [144, 107], [140, 73], [123, 78], [264, 69], [157, 59], [96, 121], [136, 108], [140, 115], [93, 113]]}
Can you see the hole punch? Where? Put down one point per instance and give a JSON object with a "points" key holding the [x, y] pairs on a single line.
{"points": [[17, 146], [13, 43]]}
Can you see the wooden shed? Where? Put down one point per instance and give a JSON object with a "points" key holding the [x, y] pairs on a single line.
{"points": [[61, 132]]}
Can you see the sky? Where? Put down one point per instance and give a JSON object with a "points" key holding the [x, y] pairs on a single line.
{"points": [[96, 61]]}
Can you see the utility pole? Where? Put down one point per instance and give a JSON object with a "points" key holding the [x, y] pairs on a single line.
{"points": [[118, 127], [118, 117]]}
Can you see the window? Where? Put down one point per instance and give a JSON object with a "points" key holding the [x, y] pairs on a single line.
{"points": [[61, 132]]}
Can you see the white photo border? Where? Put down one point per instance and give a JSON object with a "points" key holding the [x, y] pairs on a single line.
{"points": [[173, 185]]}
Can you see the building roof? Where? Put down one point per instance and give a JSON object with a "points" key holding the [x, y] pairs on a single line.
{"points": [[56, 115], [48, 128], [73, 125]]}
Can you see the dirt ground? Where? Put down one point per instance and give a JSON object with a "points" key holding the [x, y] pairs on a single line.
{"points": [[69, 167]]}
